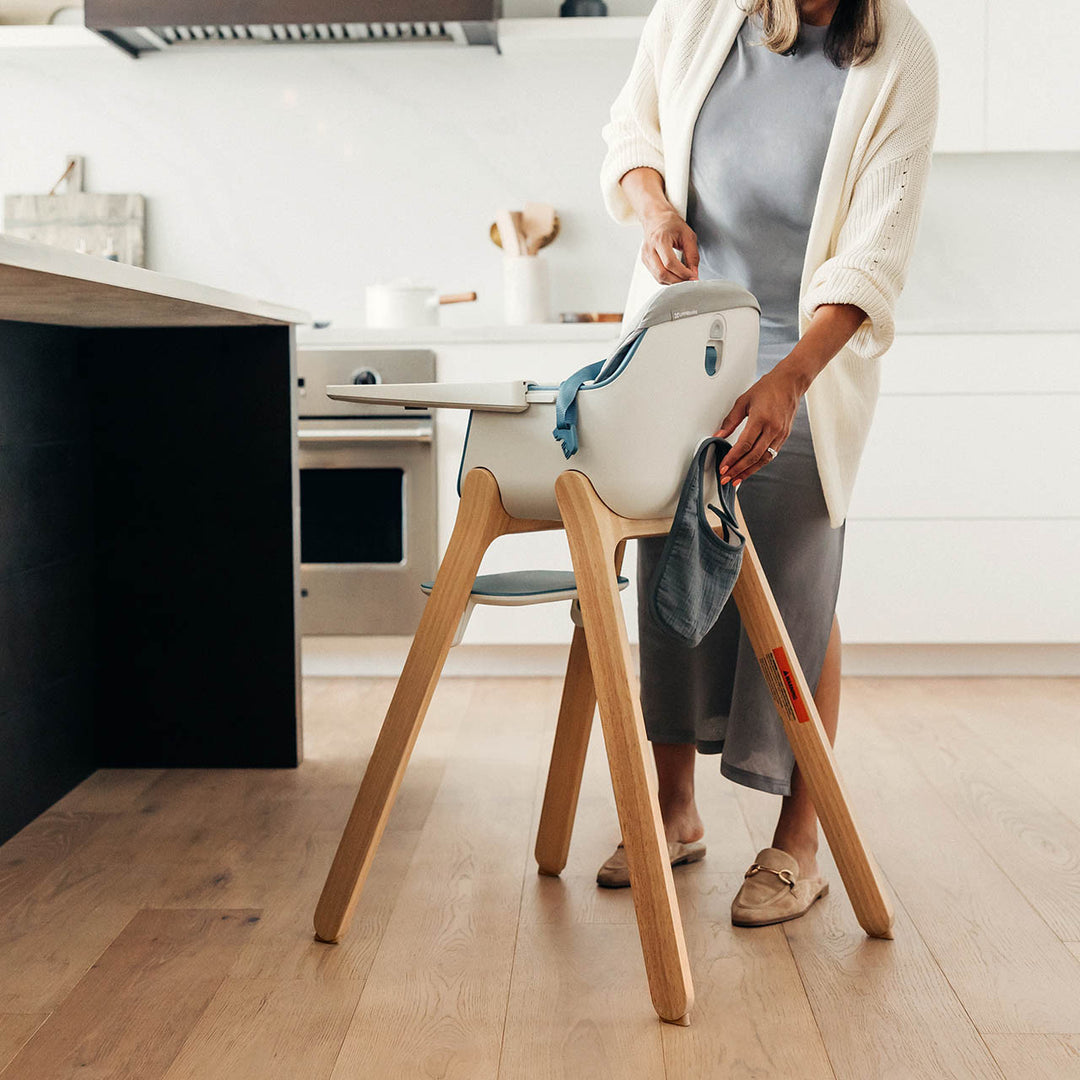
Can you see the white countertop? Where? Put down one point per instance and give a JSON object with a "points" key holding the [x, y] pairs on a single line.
{"points": [[564, 333], [44, 284], [455, 335]]}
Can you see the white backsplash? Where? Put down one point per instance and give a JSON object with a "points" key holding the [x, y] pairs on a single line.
{"points": [[299, 174]]}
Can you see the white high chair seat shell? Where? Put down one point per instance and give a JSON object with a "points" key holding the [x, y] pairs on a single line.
{"points": [[667, 385]]}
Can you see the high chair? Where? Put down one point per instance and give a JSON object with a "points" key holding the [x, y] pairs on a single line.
{"points": [[602, 456]]}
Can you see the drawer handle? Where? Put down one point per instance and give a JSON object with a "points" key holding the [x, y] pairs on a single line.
{"points": [[367, 435]]}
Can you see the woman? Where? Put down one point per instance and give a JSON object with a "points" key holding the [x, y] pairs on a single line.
{"points": [[784, 145]]}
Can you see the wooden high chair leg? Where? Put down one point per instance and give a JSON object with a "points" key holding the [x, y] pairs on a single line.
{"points": [[567, 760], [591, 530], [480, 519], [568, 753], [809, 741]]}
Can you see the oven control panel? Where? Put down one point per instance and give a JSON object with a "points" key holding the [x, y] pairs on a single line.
{"points": [[318, 368]]}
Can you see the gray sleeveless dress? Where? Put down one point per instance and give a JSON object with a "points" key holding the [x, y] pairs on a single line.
{"points": [[758, 149]]}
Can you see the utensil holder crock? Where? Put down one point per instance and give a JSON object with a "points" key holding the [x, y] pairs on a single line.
{"points": [[525, 290]]}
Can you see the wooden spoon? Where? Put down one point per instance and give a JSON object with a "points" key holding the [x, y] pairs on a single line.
{"points": [[538, 220], [496, 239]]}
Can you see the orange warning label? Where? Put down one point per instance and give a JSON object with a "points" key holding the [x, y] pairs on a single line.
{"points": [[777, 670]]}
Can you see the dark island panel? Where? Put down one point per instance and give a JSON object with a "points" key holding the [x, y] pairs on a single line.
{"points": [[196, 546], [149, 551], [47, 737]]}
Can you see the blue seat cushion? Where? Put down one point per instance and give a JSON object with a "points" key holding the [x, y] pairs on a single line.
{"points": [[521, 583]]}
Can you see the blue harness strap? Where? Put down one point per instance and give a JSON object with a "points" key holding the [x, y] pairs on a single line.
{"points": [[565, 430]]}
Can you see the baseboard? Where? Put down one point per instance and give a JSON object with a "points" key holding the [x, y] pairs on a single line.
{"points": [[385, 656], [1045, 659]]}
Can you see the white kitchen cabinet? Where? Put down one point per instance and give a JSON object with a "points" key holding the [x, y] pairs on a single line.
{"points": [[965, 520], [958, 31], [1013, 362], [1033, 91], [977, 456], [974, 581], [1007, 74]]}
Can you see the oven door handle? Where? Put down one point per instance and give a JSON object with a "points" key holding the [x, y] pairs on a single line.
{"points": [[419, 433]]}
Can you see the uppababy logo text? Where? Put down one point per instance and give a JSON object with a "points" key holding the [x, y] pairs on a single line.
{"points": [[682, 314]]}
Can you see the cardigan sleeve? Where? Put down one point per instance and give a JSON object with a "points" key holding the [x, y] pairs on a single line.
{"points": [[877, 235], [632, 134]]}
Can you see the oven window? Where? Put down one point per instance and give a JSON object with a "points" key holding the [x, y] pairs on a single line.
{"points": [[351, 515]]}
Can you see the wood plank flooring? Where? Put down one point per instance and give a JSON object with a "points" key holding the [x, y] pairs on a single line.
{"points": [[156, 924]]}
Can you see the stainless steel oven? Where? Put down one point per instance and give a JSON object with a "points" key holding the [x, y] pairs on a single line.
{"points": [[368, 528]]}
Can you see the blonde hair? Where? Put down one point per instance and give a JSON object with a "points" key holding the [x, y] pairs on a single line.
{"points": [[853, 35]]}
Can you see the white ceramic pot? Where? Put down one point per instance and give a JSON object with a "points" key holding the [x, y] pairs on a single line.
{"points": [[525, 290], [401, 303]]}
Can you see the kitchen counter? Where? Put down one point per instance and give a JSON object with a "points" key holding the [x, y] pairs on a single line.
{"points": [[603, 333], [149, 534], [44, 284], [555, 333]]}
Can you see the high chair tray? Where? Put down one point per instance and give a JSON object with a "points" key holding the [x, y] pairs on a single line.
{"points": [[509, 397]]}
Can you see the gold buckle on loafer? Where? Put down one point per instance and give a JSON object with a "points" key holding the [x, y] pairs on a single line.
{"points": [[783, 875]]}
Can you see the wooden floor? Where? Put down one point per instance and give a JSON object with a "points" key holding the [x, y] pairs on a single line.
{"points": [[158, 924]]}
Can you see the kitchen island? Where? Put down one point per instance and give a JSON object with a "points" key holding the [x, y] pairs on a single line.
{"points": [[149, 526]]}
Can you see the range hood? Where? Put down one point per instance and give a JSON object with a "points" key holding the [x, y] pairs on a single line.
{"points": [[141, 26]]}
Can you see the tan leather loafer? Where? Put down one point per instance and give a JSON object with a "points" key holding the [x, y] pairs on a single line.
{"points": [[615, 873], [773, 892]]}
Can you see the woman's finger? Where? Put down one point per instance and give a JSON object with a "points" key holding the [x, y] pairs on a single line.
{"points": [[750, 470], [652, 264], [750, 457], [756, 457], [689, 246], [745, 443], [647, 257], [665, 277], [651, 259], [671, 262]]}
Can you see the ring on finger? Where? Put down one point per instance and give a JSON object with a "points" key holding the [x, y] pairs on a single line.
{"points": [[772, 453]]}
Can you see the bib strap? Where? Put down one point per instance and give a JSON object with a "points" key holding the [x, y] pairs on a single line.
{"points": [[725, 492]]}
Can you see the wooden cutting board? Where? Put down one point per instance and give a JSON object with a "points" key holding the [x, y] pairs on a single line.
{"points": [[81, 221]]}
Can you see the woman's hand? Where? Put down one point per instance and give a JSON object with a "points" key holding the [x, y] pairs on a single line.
{"points": [[769, 406], [665, 232], [770, 403]]}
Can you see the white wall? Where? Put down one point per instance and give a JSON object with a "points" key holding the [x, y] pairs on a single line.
{"points": [[299, 174]]}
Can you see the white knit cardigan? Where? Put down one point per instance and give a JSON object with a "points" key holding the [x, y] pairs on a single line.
{"points": [[868, 205]]}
